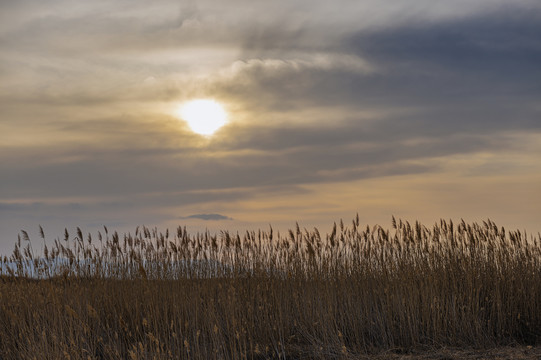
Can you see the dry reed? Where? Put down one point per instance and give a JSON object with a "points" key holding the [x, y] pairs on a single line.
{"points": [[356, 291]]}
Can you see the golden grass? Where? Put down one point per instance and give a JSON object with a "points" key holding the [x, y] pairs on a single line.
{"points": [[353, 292]]}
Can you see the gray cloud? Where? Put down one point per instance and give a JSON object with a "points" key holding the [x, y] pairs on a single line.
{"points": [[207, 217]]}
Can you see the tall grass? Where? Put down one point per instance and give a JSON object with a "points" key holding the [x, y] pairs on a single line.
{"points": [[358, 290]]}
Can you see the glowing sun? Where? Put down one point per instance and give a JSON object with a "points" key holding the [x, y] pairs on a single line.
{"points": [[203, 116]]}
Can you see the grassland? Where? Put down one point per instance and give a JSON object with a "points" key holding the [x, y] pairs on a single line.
{"points": [[355, 292]]}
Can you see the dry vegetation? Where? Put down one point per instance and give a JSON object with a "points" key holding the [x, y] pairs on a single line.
{"points": [[354, 292]]}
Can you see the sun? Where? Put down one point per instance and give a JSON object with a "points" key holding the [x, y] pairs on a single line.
{"points": [[203, 116]]}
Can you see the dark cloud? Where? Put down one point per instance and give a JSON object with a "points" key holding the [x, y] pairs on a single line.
{"points": [[207, 217], [491, 56], [483, 58], [477, 44]]}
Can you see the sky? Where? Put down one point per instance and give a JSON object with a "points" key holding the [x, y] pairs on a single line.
{"points": [[421, 109]]}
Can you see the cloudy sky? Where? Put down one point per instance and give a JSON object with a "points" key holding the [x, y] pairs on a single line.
{"points": [[422, 109]]}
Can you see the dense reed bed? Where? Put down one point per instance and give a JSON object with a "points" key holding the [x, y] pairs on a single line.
{"points": [[259, 295]]}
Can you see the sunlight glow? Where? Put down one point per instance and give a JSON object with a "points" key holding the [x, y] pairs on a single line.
{"points": [[203, 116]]}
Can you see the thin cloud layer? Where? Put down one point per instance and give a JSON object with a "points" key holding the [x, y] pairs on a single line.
{"points": [[320, 96]]}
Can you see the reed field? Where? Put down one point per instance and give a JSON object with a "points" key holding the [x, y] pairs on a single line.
{"points": [[358, 291]]}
